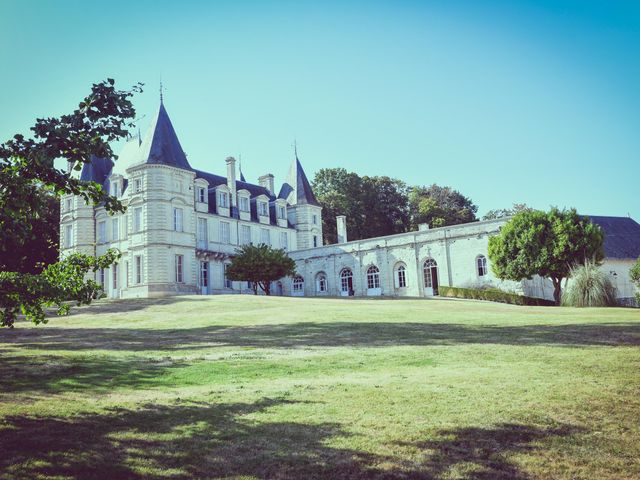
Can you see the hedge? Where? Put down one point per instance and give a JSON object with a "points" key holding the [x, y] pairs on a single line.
{"points": [[492, 295]]}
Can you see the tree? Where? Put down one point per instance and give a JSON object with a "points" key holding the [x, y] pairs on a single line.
{"points": [[260, 265], [506, 212], [634, 274], [547, 244], [374, 206], [27, 169], [439, 206]]}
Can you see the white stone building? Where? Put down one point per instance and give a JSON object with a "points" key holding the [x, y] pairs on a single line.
{"points": [[183, 225]]}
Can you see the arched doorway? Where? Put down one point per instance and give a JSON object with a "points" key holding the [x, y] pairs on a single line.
{"points": [[346, 283], [430, 270]]}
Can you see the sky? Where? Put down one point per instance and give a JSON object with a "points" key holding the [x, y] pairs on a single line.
{"points": [[534, 102]]}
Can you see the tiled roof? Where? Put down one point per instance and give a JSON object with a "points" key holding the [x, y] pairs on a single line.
{"points": [[621, 236], [161, 145], [97, 170]]}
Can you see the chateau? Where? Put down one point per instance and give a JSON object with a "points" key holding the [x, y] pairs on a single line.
{"points": [[183, 226]]}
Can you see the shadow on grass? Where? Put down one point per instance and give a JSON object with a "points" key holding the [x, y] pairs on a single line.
{"points": [[53, 374], [335, 334], [199, 440]]}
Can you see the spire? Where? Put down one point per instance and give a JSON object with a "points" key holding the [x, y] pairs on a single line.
{"points": [[161, 99], [297, 189], [161, 145]]}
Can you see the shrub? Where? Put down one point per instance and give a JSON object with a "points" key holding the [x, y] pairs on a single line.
{"points": [[589, 287], [634, 274], [492, 295]]}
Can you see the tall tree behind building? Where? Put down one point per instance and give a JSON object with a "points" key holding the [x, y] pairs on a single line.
{"points": [[439, 206]]}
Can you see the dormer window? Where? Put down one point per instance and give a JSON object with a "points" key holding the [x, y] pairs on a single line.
{"points": [[115, 189], [263, 209], [282, 212], [223, 200], [202, 195], [244, 204]]}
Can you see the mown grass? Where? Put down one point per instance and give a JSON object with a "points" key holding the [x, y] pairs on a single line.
{"points": [[245, 387]]}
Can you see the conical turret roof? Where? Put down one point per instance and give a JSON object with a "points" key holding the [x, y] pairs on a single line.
{"points": [[297, 190], [161, 145]]}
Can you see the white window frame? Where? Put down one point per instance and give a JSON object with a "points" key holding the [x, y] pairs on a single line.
{"points": [[115, 229], [481, 266], [114, 276], [345, 274], [225, 232], [178, 219], [284, 240], [203, 233], [245, 230], [223, 200], [68, 204], [138, 269], [265, 236], [202, 195], [282, 212], [137, 219], [428, 264], [68, 236], [244, 204], [137, 185], [298, 283], [179, 268], [263, 209], [401, 276], [102, 231], [321, 282], [373, 277]]}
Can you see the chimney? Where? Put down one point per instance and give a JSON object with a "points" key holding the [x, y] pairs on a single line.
{"points": [[341, 221], [231, 179], [423, 227], [266, 181]]}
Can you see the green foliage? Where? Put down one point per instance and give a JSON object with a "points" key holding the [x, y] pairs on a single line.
{"points": [[260, 265], [440, 206], [39, 246], [374, 206], [589, 287], [57, 284], [28, 175], [547, 244], [634, 274], [506, 212], [492, 295]]}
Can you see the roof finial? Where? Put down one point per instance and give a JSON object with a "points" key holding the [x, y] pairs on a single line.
{"points": [[295, 148], [161, 90]]}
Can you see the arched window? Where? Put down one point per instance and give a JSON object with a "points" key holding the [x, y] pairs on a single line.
{"points": [[298, 283], [430, 266], [481, 265], [373, 277], [321, 282], [346, 281], [401, 276]]}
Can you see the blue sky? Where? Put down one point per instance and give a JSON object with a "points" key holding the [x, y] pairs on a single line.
{"points": [[506, 101]]}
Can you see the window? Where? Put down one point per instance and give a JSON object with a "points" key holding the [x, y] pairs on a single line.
{"points": [[126, 274], [101, 278], [204, 274], [137, 219], [223, 200], [315, 219], [401, 277], [102, 232], [284, 240], [263, 209], [179, 268], [245, 231], [115, 188], [224, 232], [481, 263], [282, 212], [67, 205], [315, 240], [138, 272], [68, 236], [321, 282], [114, 277], [346, 281], [177, 219], [115, 229], [373, 277], [265, 236], [202, 195], [298, 284], [203, 233], [429, 265], [244, 204], [137, 185], [227, 283]]}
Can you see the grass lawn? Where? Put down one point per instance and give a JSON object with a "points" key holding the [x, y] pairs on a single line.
{"points": [[255, 387]]}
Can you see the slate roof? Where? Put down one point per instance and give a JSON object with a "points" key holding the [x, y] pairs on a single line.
{"points": [[297, 189], [97, 170], [161, 145], [621, 236]]}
